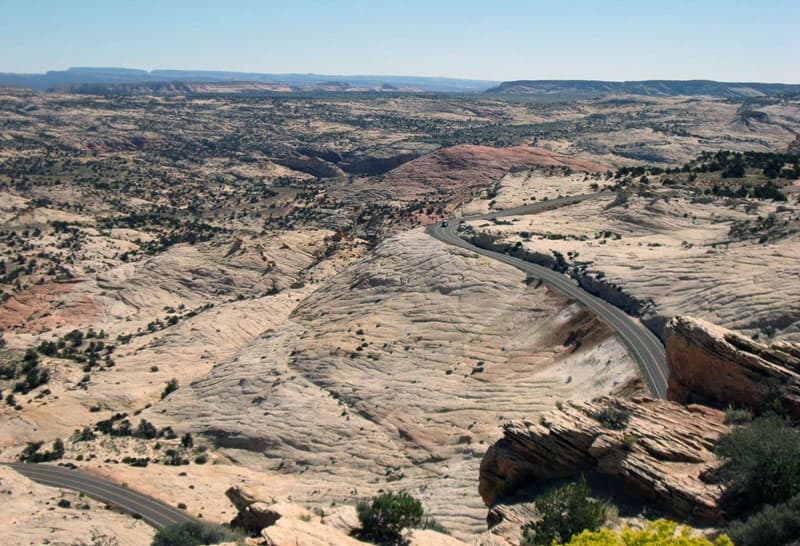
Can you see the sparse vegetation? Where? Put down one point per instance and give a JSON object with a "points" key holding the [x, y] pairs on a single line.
{"points": [[195, 533], [613, 417], [562, 513], [171, 386], [386, 515], [31, 453], [657, 533]]}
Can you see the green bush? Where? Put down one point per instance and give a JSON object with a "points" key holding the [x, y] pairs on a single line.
{"points": [[735, 416], [772, 526], [194, 533], [386, 515], [613, 417], [146, 430], [563, 512], [761, 465], [434, 525], [171, 386], [31, 453]]}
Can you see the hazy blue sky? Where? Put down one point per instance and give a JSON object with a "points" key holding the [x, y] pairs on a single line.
{"points": [[514, 39]]}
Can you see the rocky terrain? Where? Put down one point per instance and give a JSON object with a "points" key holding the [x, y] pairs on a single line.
{"points": [[252, 271], [286, 524], [656, 450], [661, 451], [368, 384], [666, 251], [720, 367]]}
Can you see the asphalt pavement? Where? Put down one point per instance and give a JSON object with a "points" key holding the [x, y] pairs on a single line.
{"points": [[155, 513]]}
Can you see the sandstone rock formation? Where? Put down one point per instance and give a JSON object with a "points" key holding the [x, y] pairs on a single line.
{"points": [[254, 514], [713, 365], [459, 170], [663, 453], [665, 255], [395, 374], [284, 524]]}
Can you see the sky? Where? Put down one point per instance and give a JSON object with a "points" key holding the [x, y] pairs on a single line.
{"points": [[726, 40]]}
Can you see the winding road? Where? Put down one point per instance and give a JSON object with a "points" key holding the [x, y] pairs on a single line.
{"points": [[642, 343], [155, 513], [645, 347]]}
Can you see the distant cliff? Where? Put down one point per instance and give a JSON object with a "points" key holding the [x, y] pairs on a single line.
{"points": [[104, 76], [650, 88]]}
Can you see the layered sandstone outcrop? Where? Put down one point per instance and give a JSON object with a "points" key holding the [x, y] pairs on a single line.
{"points": [[285, 524], [713, 365], [660, 450]]}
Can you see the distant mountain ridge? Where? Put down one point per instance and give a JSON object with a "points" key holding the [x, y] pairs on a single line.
{"points": [[112, 80], [86, 76], [650, 88]]}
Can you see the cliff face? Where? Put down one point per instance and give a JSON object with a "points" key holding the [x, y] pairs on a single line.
{"points": [[713, 365], [663, 452]]}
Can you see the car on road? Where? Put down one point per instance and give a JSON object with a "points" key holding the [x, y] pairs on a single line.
{"points": [[444, 223]]}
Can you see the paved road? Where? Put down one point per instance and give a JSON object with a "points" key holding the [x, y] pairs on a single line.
{"points": [[645, 347], [156, 513]]}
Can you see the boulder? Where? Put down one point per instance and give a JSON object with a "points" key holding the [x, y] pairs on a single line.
{"points": [[254, 515], [715, 366]]}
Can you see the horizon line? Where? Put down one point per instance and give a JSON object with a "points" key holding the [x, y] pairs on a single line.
{"points": [[376, 75]]}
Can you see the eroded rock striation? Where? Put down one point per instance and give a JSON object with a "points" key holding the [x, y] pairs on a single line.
{"points": [[719, 367], [661, 450]]}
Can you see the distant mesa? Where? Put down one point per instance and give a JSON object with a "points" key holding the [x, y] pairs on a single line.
{"points": [[649, 88], [128, 81], [87, 76]]}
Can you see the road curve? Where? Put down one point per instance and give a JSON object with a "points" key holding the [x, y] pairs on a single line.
{"points": [[645, 347], [155, 513]]}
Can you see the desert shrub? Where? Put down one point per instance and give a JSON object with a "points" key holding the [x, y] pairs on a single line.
{"points": [[83, 435], [171, 386], [761, 465], [194, 533], [31, 453], [563, 512], [613, 417], [146, 430], [33, 375], [657, 533], [434, 525], [735, 416], [772, 526], [386, 515]]}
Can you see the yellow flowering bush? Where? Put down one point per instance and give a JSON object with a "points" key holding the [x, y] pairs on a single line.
{"points": [[657, 533]]}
